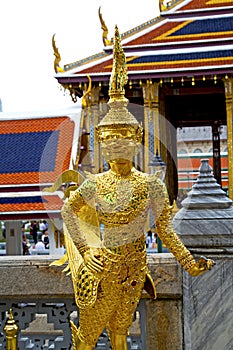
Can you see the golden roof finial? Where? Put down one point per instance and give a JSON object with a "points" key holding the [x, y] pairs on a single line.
{"points": [[105, 30], [162, 5], [86, 94], [57, 59], [119, 76]]}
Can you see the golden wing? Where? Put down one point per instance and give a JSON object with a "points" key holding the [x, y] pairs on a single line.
{"points": [[66, 177]]}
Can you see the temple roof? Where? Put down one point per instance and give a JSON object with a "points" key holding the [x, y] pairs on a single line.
{"points": [[189, 30], [189, 37], [34, 152], [201, 4], [29, 205]]}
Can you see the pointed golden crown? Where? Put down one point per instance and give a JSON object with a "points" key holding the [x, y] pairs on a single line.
{"points": [[119, 76], [118, 118]]}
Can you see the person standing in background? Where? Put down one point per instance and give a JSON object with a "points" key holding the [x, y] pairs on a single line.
{"points": [[34, 231], [45, 239]]}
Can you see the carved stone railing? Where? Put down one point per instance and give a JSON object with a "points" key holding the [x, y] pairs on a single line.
{"points": [[41, 298]]}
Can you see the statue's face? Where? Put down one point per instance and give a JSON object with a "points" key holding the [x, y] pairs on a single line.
{"points": [[116, 133], [120, 142], [116, 147]]}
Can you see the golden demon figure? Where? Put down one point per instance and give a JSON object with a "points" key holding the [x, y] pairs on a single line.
{"points": [[109, 267]]}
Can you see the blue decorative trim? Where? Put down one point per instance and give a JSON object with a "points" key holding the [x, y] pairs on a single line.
{"points": [[22, 200], [213, 25], [189, 56]]}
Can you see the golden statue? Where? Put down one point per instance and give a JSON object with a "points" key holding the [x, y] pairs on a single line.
{"points": [[109, 265]]}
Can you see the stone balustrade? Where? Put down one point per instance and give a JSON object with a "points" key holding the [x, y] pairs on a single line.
{"points": [[34, 289]]}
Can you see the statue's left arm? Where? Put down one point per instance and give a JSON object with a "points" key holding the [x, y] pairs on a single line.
{"points": [[164, 228]]}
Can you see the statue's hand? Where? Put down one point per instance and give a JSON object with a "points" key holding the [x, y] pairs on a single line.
{"points": [[93, 260], [201, 266]]}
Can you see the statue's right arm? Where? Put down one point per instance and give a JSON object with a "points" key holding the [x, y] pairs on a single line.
{"points": [[70, 214]]}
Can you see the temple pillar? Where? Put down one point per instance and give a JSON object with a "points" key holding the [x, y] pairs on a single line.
{"points": [[55, 243], [88, 149], [146, 140], [85, 161], [155, 109], [162, 125], [13, 237], [216, 153], [96, 148], [94, 114], [151, 121], [102, 110], [168, 145], [229, 115]]}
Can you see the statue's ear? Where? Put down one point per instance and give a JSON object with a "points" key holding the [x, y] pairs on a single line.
{"points": [[139, 133]]}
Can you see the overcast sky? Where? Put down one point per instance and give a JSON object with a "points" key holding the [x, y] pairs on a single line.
{"points": [[27, 80]]}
